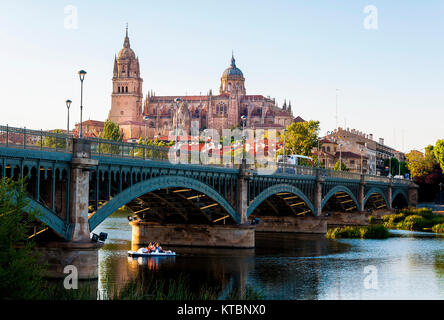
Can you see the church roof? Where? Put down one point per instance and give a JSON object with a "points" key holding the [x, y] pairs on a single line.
{"points": [[232, 70], [299, 119]]}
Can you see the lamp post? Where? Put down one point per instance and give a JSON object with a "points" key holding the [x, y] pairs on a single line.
{"points": [[244, 120], [178, 101], [68, 105], [340, 156], [82, 74], [285, 154], [146, 120], [325, 153]]}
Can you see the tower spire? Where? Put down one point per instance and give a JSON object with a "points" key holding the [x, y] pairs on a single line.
{"points": [[126, 43]]}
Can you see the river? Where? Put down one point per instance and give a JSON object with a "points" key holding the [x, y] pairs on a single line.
{"points": [[291, 266]]}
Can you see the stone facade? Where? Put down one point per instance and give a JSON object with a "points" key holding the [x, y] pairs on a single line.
{"points": [[222, 111]]}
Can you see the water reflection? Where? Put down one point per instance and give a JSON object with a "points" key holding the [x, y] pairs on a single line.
{"points": [[289, 266]]}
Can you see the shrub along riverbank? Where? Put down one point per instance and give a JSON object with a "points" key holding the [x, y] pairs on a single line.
{"points": [[413, 219], [367, 232]]}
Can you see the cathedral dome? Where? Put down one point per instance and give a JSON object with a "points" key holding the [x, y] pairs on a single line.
{"points": [[126, 53], [232, 70]]}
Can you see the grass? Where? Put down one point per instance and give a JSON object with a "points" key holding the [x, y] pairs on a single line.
{"points": [[180, 288], [354, 232]]}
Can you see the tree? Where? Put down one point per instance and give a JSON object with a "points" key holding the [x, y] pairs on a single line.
{"points": [[111, 131], [340, 164], [20, 271], [301, 138], [420, 164], [54, 142], [439, 153]]}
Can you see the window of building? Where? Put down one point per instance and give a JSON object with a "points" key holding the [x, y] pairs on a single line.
{"points": [[118, 89], [126, 89]]}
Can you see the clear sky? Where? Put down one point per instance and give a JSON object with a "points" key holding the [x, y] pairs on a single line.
{"points": [[390, 79]]}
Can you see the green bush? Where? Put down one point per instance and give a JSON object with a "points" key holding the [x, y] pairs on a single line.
{"points": [[438, 228], [368, 232], [413, 223], [21, 273], [372, 220], [374, 232], [392, 219]]}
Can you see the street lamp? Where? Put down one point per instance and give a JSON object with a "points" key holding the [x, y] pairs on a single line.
{"points": [[340, 156], [178, 101], [285, 155], [244, 120], [146, 120], [82, 74], [68, 105]]}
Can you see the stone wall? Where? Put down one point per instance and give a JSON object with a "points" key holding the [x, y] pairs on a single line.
{"points": [[292, 224]]}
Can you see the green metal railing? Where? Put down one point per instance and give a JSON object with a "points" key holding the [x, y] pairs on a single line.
{"points": [[34, 139], [60, 142]]}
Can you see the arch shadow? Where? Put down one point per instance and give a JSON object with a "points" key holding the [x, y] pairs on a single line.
{"points": [[402, 192], [378, 191], [277, 189], [337, 189], [153, 184]]}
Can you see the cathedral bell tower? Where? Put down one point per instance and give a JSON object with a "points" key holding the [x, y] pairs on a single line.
{"points": [[126, 99]]}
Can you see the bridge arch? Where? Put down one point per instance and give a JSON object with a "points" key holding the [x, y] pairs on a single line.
{"points": [[162, 182], [402, 193], [337, 189], [378, 191], [275, 190]]}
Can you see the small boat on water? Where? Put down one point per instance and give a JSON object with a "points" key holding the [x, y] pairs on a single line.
{"points": [[143, 252]]}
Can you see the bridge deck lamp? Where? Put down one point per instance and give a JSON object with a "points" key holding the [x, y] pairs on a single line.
{"points": [[244, 138], [68, 105], [177, 101], [146, 120], [82, 74]]}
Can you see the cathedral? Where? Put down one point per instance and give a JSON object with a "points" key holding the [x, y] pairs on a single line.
{"points": [[212, 111]]}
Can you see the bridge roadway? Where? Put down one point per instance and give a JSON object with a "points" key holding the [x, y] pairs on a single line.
{"points": [[75, 184]]}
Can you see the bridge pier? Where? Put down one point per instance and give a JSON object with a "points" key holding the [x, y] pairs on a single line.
{"points": [[80, 252], [242, 192], [413, 194], [361, 197], [194, 235], [318, 194]]}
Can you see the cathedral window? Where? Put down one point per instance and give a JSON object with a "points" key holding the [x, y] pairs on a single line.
{"points": [[118, 89], [126, 89]]}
